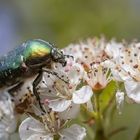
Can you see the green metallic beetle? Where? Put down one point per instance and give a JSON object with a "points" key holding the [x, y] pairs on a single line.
{"points": [[28, 60]]}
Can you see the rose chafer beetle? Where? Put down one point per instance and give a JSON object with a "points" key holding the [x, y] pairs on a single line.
{"points": [[28, 60]]}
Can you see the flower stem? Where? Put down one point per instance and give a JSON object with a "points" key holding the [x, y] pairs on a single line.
{"points": [[99, 119]]}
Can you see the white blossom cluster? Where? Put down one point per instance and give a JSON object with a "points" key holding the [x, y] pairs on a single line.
{"points": [[95, 63]]}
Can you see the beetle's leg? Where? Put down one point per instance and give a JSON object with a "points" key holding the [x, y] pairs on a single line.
{"points": [[54, 73], [35, 83]]}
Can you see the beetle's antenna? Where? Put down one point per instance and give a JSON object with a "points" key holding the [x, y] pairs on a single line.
{"points": [[68, 56]]}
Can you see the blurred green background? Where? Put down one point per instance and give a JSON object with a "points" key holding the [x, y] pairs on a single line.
{"points": [[65, 21]]}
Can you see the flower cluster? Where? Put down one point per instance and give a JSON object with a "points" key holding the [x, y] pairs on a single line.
{"points": [[106, 61], [94, 65], [125, 61]]}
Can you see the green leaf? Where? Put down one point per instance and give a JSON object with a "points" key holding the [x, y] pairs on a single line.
{"points": [[107, 95]]}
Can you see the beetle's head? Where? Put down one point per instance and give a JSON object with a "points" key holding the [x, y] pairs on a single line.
{"points": [[58, 56]]}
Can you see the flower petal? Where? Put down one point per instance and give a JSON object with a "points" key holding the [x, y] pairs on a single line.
{"points": [[75, 74], [82, 95], [4, 136], [8, 122], [40, 137], [113, 49], [71, 112], [133, 89], [31, 127], [59, 105], [75, 132]]}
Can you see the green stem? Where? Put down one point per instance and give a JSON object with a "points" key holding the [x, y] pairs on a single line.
{"points": [[99, 119]]}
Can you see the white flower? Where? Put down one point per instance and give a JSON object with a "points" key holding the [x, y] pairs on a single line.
{"points": [[31, 129], [92, 56], [87, 52], [60, 95], [98, 77], [7, 117], [128, 70]]}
